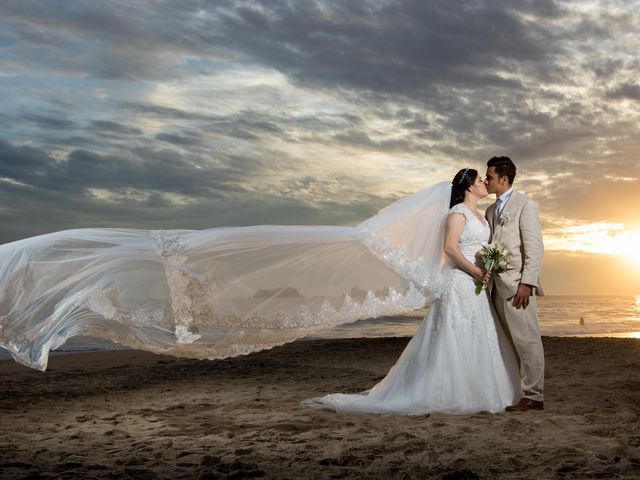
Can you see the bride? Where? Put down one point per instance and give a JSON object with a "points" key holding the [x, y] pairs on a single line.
{"points": [[460, 360], [229, 291]]}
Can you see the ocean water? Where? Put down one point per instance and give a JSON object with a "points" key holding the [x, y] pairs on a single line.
{"points": [[559, 315]]}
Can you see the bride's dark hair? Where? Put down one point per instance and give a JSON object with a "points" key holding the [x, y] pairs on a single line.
{"points": [[460, 184]]}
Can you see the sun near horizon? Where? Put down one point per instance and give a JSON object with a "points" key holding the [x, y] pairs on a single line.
{"points": [[604, 239], [598, 258]]}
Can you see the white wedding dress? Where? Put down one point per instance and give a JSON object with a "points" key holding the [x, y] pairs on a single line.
{"points": [[458, 362]]}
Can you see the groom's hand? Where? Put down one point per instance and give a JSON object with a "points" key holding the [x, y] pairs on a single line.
{"points": [[521, 298]]}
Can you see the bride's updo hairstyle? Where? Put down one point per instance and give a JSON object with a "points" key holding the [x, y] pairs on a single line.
{"points": [[461, 183]]}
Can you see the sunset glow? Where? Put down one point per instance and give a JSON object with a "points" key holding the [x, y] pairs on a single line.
{"points": [[599, 238]]}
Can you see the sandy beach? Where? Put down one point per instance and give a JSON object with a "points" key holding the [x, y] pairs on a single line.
{"points": [[128, 414]]}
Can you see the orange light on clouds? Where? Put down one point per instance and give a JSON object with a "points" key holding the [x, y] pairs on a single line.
{"points": [[597, 238]]}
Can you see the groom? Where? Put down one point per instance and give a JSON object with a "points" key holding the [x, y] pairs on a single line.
{"points": [[515, 223]]}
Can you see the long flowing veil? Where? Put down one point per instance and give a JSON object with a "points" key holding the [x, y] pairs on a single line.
{"points": [[219, 292]]}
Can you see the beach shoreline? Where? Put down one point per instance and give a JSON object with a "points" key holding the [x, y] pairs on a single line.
{"points": [[132, 414], [66, 350]]}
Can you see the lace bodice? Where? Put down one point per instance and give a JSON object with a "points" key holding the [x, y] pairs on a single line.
{"points": [[475, 234]]}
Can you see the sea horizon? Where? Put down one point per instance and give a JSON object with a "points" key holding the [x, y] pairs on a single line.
{"points": [[559, 316]]}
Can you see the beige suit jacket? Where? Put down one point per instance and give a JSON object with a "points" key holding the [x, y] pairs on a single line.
{"points": [[518, 229]]}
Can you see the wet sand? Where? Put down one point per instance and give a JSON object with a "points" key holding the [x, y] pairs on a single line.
{"points": [[127, 414]]}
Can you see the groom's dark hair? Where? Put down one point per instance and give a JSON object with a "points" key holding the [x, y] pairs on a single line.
{"points": [[504, 167]]}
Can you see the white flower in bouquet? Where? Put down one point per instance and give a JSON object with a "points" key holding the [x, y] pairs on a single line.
{"points": [[495, 258]]}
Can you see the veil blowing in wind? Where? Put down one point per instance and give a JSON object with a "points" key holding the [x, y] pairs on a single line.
{"points": [[219, 292]]}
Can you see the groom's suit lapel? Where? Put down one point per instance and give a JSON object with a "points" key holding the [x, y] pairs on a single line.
{"points": [[489, 216], [506, 210], [490, 219]]}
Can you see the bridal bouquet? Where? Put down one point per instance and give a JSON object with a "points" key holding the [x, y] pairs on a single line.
{"points": [[494, 258]]}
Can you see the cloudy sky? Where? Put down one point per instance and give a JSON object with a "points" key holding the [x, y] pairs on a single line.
{"points": [[192, 114]]}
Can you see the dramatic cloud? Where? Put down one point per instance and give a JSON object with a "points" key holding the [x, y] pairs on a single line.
{"points": [[193, 114], [626, 90]]}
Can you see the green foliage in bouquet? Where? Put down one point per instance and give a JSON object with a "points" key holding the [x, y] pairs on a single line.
{"points": [[495, 258]]}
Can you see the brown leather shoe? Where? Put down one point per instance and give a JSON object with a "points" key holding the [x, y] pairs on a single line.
{"points": [[526, 404]]}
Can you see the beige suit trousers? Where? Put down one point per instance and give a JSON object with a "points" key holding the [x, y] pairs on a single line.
{"points": [[522, 327]]}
